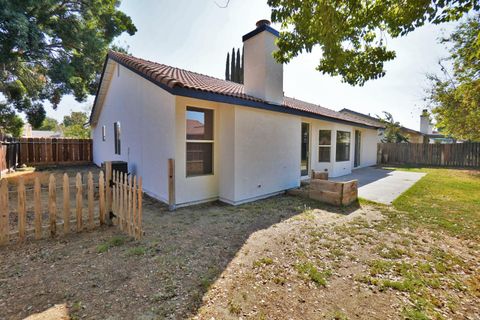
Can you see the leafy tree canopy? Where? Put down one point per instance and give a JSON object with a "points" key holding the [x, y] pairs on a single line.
{"points": [[455, 99], [75, 125], [10, 123], [351, 33], [49, 124], [392, 132], [49, 48]]}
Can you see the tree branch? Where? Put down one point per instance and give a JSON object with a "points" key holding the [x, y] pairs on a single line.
{"points": [[224, 6]]}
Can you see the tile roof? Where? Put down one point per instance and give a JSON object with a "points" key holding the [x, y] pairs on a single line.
{"points": [[172, 77]]}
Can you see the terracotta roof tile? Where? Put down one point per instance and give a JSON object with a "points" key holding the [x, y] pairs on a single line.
{"points": [[175, 77]]}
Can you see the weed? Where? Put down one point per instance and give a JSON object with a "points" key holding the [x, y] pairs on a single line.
{"points": [[262, 262], [234, 308], [137, 251], [309, 270]]}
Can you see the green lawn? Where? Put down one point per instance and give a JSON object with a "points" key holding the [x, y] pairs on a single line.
{"points": [[446, 199]]}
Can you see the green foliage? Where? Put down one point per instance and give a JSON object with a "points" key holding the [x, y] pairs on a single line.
{"points": [[351, 34], [49, 124], [10, 123], [234, 68], [309, 270], [75, 125], [392, 132], [456, 99], [49, 48]]}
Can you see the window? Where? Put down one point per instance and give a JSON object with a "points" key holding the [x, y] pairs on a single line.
{"points": [[199, 136], [116, 137], [343, 146], [324, 145], [104, 133]]}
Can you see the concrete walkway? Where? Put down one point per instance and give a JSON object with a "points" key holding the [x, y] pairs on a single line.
{"points": [[381, 185]]}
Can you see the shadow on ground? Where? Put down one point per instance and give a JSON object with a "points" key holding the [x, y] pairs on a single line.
{"points": [[104, 275]]}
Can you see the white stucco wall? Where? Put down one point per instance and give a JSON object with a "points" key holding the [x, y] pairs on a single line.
{"points": [[147, 119], [267, 153], [367, 150]]}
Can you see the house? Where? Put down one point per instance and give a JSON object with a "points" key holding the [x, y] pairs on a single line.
{"points": [[427, 129], [413, 135], [231, 142], [28, 132]]}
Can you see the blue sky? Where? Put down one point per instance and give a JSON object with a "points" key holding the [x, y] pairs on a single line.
{"points": [[196, 35]]}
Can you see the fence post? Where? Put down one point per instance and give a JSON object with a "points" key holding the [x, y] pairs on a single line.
{"points": [[171, 184], [108, 191]]}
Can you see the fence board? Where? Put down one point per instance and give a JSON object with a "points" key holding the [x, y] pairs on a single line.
{"points": [[101, 198], [452, 155], [90, 201], [22, 210], [4, 214], [66, 204], [79, 199], [38, 208], [52, 205]]}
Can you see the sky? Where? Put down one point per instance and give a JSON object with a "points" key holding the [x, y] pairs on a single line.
{"points": [[196, 35]]}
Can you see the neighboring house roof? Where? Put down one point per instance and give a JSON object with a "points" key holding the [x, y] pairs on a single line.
{"points": [[45, 134], [191, 84], [195, 127], [374, 120]]}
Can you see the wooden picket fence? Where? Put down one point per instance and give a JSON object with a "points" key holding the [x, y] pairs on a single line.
{"points": [[53, 151], [448, 155], [53, 204], [127, 203]]}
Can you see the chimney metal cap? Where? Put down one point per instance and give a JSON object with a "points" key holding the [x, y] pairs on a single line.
{"points": [[263, 22]]}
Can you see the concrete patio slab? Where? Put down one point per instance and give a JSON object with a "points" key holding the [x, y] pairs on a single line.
{"points": [[381, 185]]}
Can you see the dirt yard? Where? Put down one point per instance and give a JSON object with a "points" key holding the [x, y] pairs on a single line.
{"points": [[280, 258]]}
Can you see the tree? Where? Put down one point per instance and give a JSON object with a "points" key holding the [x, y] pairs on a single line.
{"points": [[233, 76], [227, 67], [75, 125], [49, 48], [392, 132], [455, 99], [10, 123], [49, 124], [238, 68], [351, 33]]}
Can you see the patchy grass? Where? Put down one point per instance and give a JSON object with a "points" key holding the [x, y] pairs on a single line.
{"points": [[262, 262], [114, 241], [444, 199], [310, 271]]}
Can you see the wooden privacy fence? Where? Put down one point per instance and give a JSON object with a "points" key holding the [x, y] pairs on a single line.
{"points": [[448, 155], [48, 151], [127, 203], [3, 158], [63, 205]]}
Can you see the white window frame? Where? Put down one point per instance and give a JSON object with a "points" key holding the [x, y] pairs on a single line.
{"points": [[212, 142]]}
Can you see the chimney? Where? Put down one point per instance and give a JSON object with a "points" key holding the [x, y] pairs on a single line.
{"points": [[425, 124], [263, 76]]}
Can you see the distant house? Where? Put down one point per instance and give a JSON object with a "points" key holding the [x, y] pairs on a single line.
{"points": [[427, 129], [413, 135], [28, 132], [232, 142]]}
